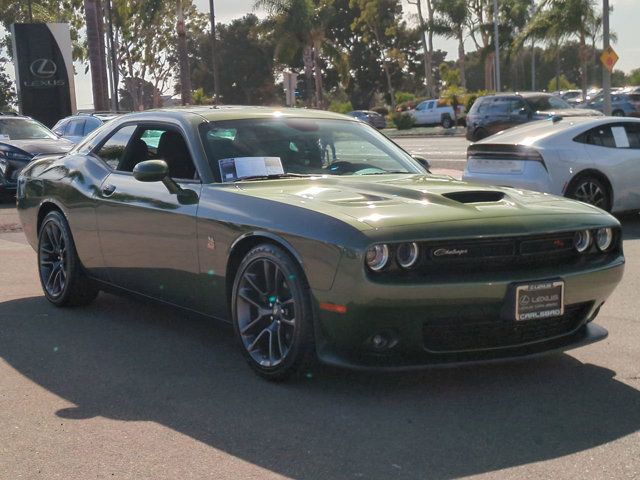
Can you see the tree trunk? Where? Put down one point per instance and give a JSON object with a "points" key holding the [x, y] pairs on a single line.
{"points": [[96, 55], [426, 57], [583, 64], [317, 73], [307, 59], [489, 80], [558, 67], [103, 53], [431, 84], [183, 57], [463, 78]]}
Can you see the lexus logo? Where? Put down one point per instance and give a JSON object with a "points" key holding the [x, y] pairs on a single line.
{"points": [[43, 68], [525, 300]]}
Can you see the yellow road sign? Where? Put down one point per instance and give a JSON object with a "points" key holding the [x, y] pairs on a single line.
{"points": [[609, 58]]}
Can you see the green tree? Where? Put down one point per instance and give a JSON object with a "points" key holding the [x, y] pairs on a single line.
{"points": [[299, 28], [7, 91], [451, 21], [378, 21], [247, 54]]}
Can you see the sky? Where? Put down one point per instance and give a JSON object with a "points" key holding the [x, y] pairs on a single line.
{"points": [[624, 20]]}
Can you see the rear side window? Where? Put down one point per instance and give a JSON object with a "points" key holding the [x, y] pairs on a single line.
{"points": [[618, 135], [61, 127], [633, 133], [112, 151]]}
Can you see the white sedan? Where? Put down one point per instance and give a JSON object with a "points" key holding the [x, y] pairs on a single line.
{"points": [[595, 160]]}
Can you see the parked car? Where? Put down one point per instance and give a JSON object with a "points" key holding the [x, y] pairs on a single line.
{"points": [[493, 113], [316, 236], [76, 127], [432, 112], [372, 118], [572, 97], [622, 104], [21, 139], [594, 160]]}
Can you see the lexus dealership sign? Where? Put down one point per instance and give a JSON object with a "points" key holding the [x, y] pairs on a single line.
{"points": [[44, 70]]}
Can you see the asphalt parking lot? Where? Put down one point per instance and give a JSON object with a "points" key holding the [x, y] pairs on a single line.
{"points": [[129, 390]]}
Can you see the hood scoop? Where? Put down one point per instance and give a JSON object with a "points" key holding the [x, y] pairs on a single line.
{"points": [[475, 196]]}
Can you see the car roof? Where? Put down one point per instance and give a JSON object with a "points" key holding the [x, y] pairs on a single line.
{"points": [[535, 132], [238, 112]]}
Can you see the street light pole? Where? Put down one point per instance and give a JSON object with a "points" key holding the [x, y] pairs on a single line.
{"points": [[606, 75], [216, 78], [496, 39]]}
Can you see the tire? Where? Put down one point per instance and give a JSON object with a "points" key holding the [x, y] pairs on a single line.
{"points": [[590, 190], [272, 314], [479, 134], [446, 122], [63, 280], [618, 113]]}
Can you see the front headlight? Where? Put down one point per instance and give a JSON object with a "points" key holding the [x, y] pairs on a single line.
{"points": [[407, 254], [3, 167], [604, 238], [582, 241], [377, 257]]}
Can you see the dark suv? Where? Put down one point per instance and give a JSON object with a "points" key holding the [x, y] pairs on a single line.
{"points": [[493, 113]]}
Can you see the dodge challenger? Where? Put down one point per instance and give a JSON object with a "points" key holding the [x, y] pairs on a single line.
{"points": [[317, 238]]}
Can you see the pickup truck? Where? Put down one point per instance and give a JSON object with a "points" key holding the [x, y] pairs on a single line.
{"points": [[430, 112]]}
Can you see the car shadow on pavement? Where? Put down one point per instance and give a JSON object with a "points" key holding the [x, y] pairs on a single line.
{"points": [[127, 360]]}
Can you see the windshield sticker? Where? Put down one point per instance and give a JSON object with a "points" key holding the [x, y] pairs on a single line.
{"points": [[620, 137], [242, 167]]}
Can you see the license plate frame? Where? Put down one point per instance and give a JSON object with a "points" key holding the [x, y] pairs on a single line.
{"points": [[538, 300]]}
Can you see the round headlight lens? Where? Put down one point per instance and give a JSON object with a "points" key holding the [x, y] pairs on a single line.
{"points": [[604, 238], [377, 257], [407, 254], [582, 241]]}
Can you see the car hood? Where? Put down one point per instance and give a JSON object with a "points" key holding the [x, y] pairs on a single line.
{"points": [[388, 201], [41, 146], [570, 112]]}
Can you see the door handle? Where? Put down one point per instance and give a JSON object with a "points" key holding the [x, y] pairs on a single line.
{"points": [[108, 190]]}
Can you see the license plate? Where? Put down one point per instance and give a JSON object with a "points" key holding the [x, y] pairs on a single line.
{"points": [[479, 165], [539, 300]]}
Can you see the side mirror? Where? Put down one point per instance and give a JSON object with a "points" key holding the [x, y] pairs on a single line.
{"points": [[423, 161], [151, 171]]}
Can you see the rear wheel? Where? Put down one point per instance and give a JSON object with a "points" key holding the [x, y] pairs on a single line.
{"points": [[447, 122], [617, 113], [591, 190], [272, 313], [63, 281]]}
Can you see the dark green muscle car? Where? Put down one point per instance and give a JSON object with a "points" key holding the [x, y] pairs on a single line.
{"points": [[317, 238]]}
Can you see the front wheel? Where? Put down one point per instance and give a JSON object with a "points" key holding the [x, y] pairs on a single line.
{"points": [[61, 275], [591, 190], [272, 313]]}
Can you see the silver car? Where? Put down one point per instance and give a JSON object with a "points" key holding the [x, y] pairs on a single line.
{"points": [[592, 159]]}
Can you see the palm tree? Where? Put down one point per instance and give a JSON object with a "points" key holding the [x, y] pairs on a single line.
{"points": [[299, 26], [558, 20], [451, 22], [183, 58], [97, 54]]}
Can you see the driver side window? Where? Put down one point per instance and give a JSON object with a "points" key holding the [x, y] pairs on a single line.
{"points": [[160, 143]]}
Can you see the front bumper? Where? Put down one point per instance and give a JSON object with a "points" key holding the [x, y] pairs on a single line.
{"points": [[404, 314]]}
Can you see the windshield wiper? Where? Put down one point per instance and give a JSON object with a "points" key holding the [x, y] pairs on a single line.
{"points": [[272, 177], [384, 173]]}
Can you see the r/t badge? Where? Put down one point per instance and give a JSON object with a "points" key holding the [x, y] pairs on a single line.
{"points": [[211, 243]]}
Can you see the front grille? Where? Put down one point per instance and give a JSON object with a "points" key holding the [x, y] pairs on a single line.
{"points": [[456, 335], [441, 260]]}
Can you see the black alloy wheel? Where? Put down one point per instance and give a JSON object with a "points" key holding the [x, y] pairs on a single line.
{"points": [[591, 190], [272, 314], [61, 276]]}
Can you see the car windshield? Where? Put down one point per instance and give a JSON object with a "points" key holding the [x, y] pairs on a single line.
{"points": [[304, 146], [547, 102], [23, 129]]}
